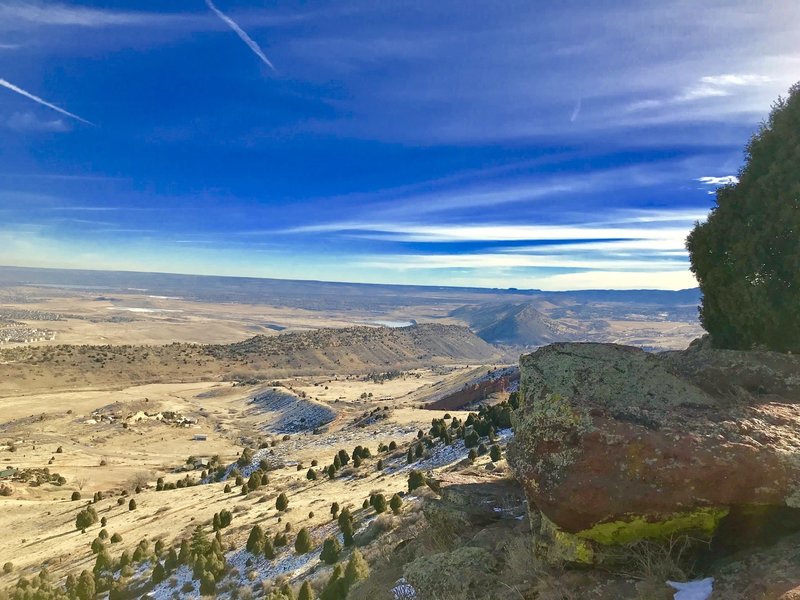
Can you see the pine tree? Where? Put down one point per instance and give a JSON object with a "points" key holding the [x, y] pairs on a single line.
{"points": [[255, 543], [184, 554], [159, 573], [199, 545], [171, 562], [335, 589], [311, 475], [409, 457], [495, 453], [396, 503], [379, 503], [334, 509], [357, 569], [97, 545], [330, 551], [380, 464], [302, 543], [269, 549], [306, 593], [418, 451], [282, 503], [84, 520], [286, 592], [85, 587], [745, 255], [103, 563], [473, 455], [132, 504], [472, 439], [207, 584], [415, 480], [346, 527]]}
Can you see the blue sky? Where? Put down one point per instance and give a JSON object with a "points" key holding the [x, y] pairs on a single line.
{"points": [[553, 145]]}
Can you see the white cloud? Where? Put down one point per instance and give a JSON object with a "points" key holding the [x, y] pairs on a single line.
{"points": [[65, 15], [710, 86], [410, 262], [735, 79], [724, 180], [28, 121], [620, 280]]}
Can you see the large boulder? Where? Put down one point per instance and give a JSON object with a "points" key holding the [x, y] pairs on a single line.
{"points": [[613, 444]]}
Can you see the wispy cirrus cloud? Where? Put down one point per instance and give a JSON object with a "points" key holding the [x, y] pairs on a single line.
{"points": [[28, 121], [56, 14], [724, 180], [37, 99]]}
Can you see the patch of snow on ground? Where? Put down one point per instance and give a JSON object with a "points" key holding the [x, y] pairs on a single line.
{"points": [[441, 455], [290, 413]]}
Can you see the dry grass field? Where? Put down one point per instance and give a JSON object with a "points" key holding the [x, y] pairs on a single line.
{"points": [[129, 392]]}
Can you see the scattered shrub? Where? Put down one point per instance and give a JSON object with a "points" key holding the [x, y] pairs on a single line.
{"points": [[415, 480], [396, 503], [330, 551], [302, 543], [282, 502]]}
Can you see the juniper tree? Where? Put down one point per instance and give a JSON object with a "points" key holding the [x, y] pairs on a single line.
{"points": [[745, 255], [379, 503], [302, 543], [415, 480], [159, 573], [346, 526], [396, 503], [495, 453], [282, 503], [306, 593], [330, 550], [255, 542], [269, 549], [357, 569]]}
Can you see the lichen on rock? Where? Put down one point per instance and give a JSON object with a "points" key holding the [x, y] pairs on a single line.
{"points": [[614, 445]]}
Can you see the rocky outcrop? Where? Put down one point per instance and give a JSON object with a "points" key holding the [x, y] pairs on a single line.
{"points": [[613, 444]]}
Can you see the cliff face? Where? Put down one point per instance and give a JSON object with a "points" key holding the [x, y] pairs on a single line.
{"points": [[614, 445]]}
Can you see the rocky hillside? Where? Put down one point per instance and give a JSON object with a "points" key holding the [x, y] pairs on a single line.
{"points": [[514, 324], [340, 351]]}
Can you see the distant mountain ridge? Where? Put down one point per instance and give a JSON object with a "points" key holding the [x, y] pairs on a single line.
{"points": [[516, 324], [351, 350]]}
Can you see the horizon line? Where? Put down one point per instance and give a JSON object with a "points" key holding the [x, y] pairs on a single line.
{"points": [[334, 282]]}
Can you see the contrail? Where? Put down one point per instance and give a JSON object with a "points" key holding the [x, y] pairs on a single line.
{"points": [[575, 111], [242, 34], [14, 88]]}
